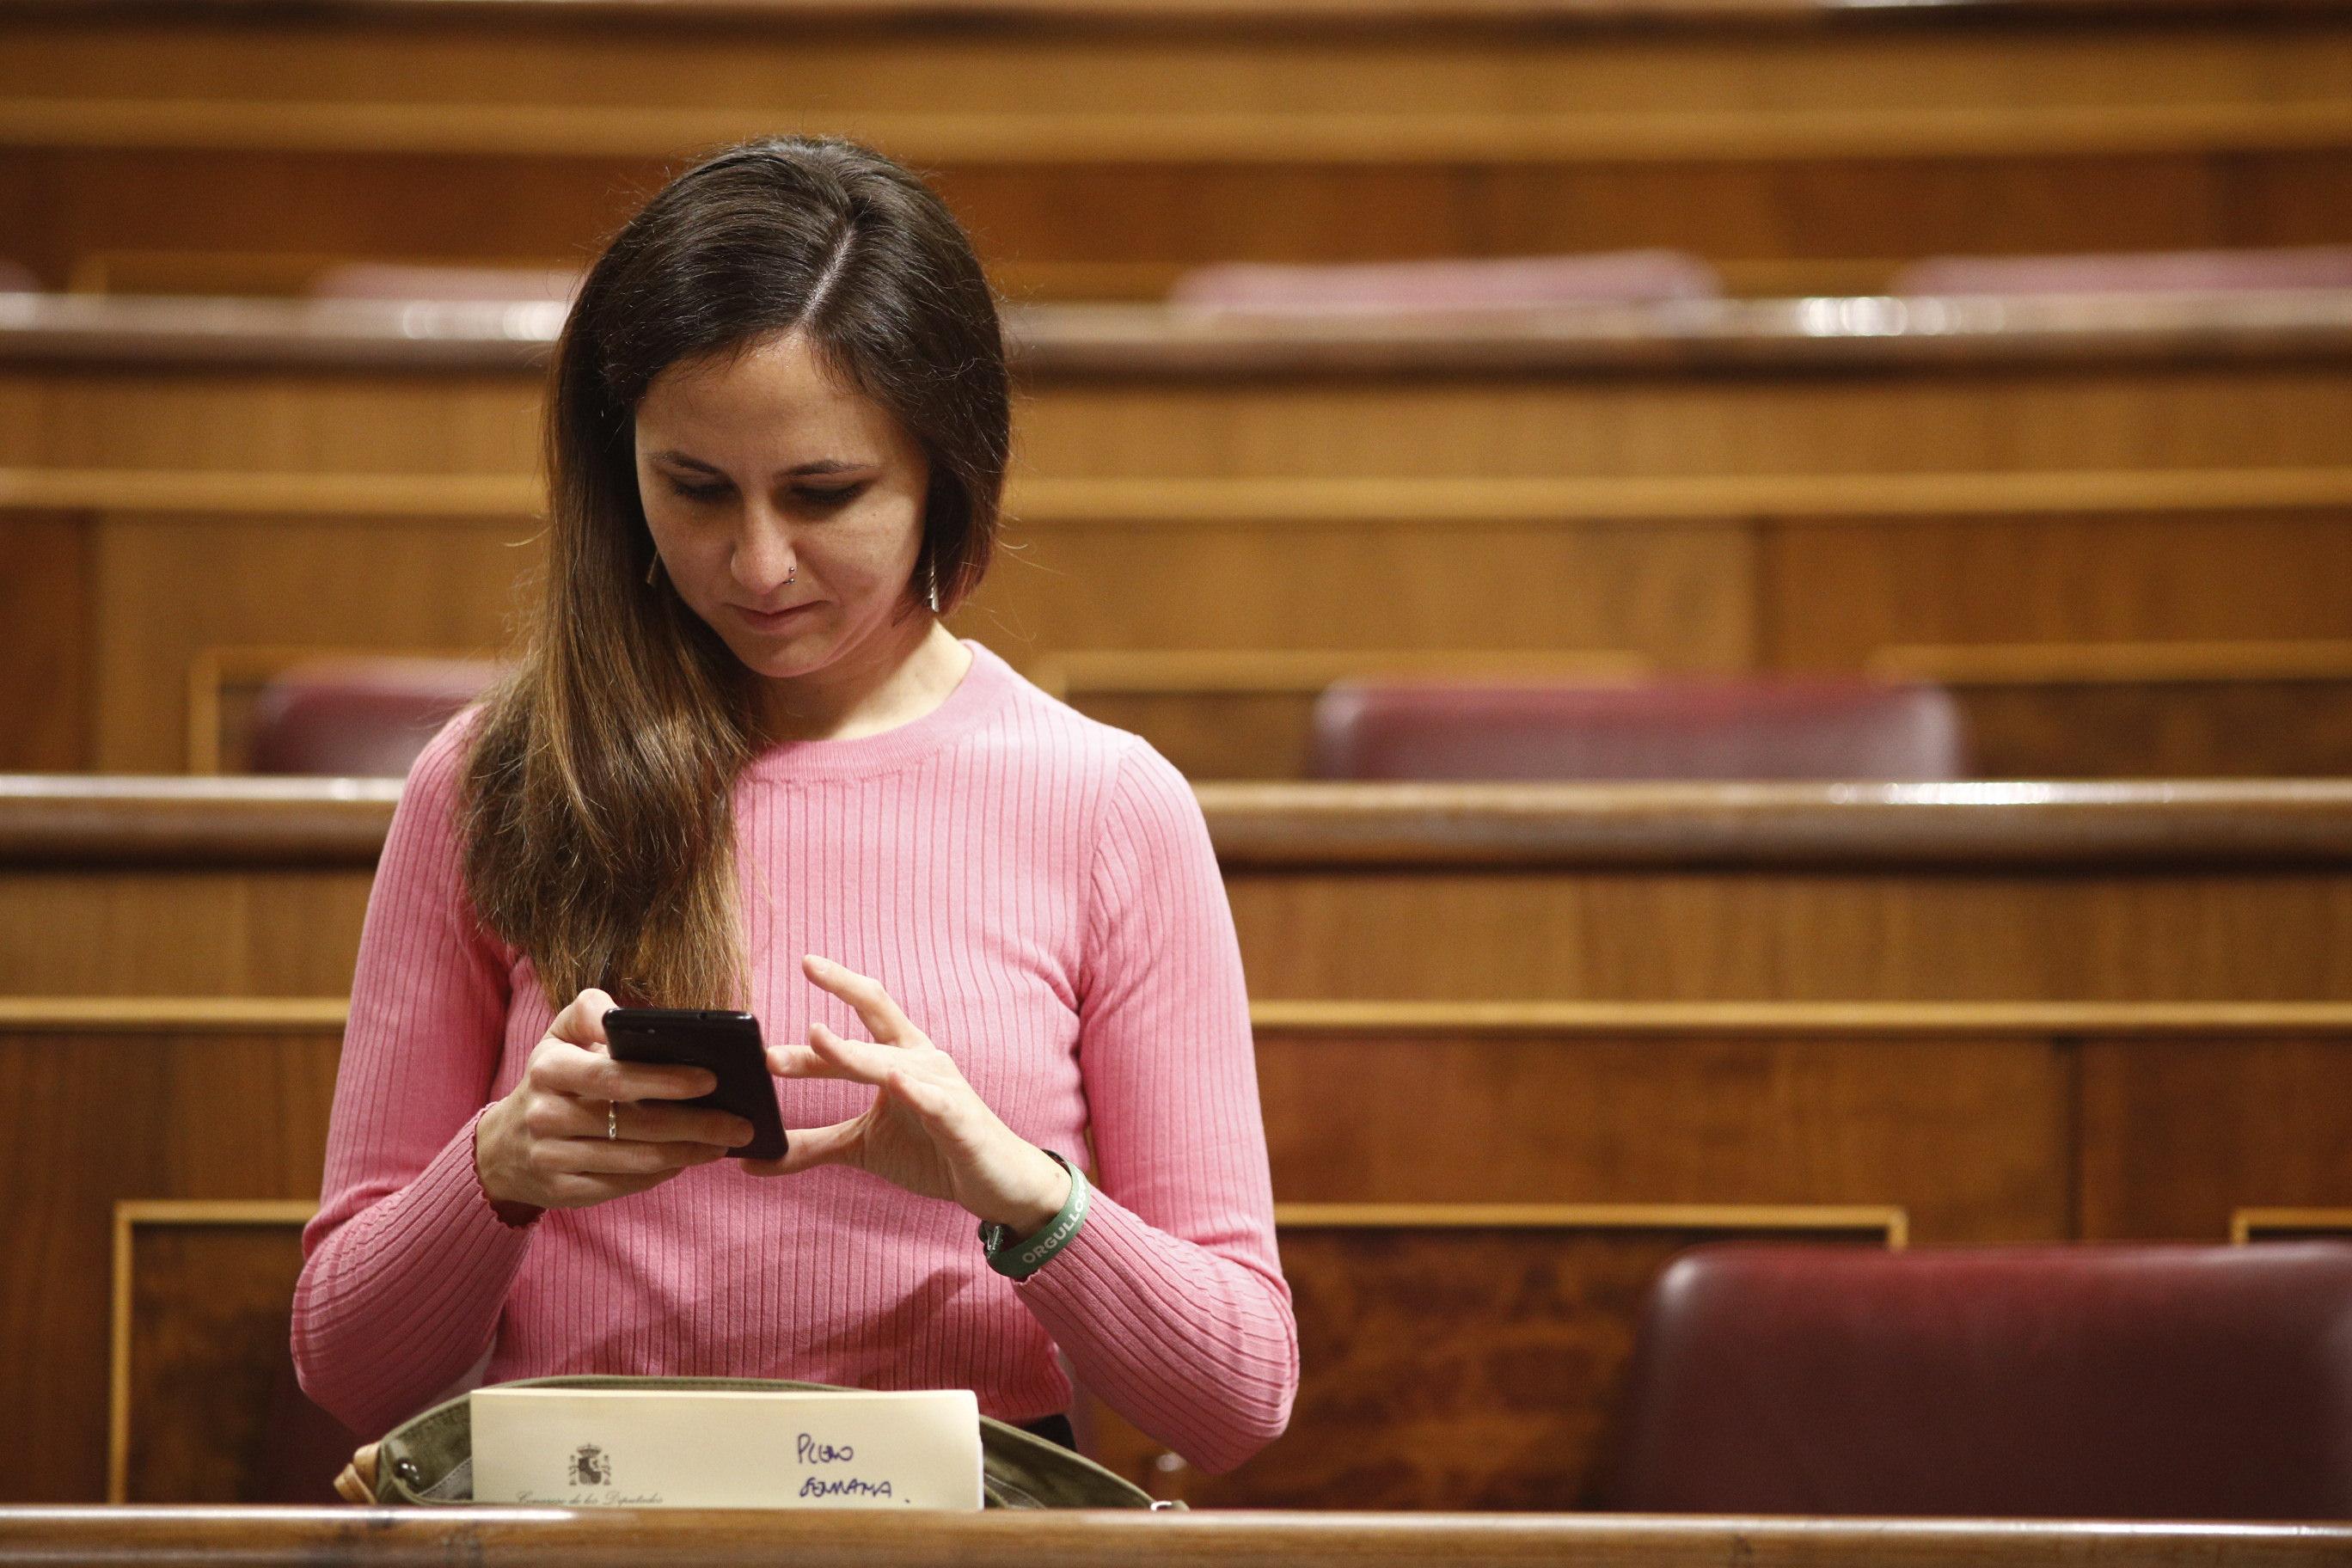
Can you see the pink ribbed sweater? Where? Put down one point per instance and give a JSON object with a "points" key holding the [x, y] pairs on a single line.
{"points": [[1038, 892]]}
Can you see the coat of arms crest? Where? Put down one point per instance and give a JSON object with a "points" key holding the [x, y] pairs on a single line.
{"points": [[590, 1467]]}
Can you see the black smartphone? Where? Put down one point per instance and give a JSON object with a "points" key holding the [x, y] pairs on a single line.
{"points": [[729, 1044]]}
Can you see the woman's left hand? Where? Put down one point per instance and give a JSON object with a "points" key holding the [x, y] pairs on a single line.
{"points": [[927, 1130]]}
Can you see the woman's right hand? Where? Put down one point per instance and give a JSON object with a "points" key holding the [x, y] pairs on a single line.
{"points": [[545, 1143]]}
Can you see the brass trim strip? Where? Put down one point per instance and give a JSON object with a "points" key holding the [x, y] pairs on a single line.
{"points": [[173, 1015], [266, 496], [1285, 672], [1846, 1019], [1248, 138], [118, 1397], [1888, 1220], [1271, 503], [2104, 664], [1351, 1019]]}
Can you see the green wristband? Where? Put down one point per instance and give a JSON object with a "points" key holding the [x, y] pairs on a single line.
{"points": [[1019, 1260]]}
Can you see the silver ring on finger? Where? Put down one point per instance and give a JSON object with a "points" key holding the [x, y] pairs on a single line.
{"points": [[611, 1119]]}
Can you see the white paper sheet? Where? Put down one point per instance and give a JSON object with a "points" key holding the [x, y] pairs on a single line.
{"points": [[747, 1448]]}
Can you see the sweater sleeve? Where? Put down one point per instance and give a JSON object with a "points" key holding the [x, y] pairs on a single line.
{"points": [[406, 1267], [1170, 1301]]}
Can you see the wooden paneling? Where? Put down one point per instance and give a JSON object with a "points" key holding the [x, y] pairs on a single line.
{"points": [[1968, 1135], [205, 1404], [1842, 594], [168, 931], [530, 85], [1679, 594], [129, 1102], [269, 423], [1538, 1304], [172, 589], [1458, 1362], [1687, 597], [233, 221], [1707, 519], [1695, 936], [1094, 156], [1225, 409], [2179, 710], [2175, 710], [1952, 421], [2232, 727], [1242, 715], [1434, 934], [2180, 1137], [46, 650], [1473, 1200]]}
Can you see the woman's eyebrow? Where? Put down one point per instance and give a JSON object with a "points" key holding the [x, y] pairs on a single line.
{"points": [[817, 465]]}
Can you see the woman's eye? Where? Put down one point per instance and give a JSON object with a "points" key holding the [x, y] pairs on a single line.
{"points": [[836, 496]]}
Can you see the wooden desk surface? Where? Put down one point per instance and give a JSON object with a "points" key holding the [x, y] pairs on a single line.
{"points": [[50, 819], [1131, 341], [161, 1537], [1338, 16]]}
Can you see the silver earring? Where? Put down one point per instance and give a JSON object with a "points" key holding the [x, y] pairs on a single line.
{"points": [[931, 590], [651, 567]]}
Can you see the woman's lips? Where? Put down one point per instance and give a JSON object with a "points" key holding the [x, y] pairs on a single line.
{"points": [[769, 620]]}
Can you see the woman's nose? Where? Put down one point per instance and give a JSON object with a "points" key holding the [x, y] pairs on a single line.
{"points": [[764, 554]]}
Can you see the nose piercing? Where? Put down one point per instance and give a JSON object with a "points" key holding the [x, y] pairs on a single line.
{"points": [[792, 576]]}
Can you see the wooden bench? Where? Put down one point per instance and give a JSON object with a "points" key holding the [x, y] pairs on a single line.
{"points": [[1469, 1208], [1994, 893], [2115, 528], [1633, 1017], [1097, 147]]}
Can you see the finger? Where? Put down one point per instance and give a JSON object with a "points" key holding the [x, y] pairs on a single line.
{"points": [[808, 1147], [804, 1063], [800, 1061], [659, 1121], [576, 1070], [853, 1059], [931, 1101], [581, 1023], [874, 1009], [626, 1157]]}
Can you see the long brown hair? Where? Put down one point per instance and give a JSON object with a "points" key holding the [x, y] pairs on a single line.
{"points": [[598, 822]]}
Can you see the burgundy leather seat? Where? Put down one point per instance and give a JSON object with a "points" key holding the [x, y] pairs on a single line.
{"points": [[2090, 1381], [1508, 283], [2132, 272], [1690, 730], [359, 716]]}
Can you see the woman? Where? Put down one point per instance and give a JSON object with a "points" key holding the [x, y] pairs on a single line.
{"points": [[742, 763]]}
